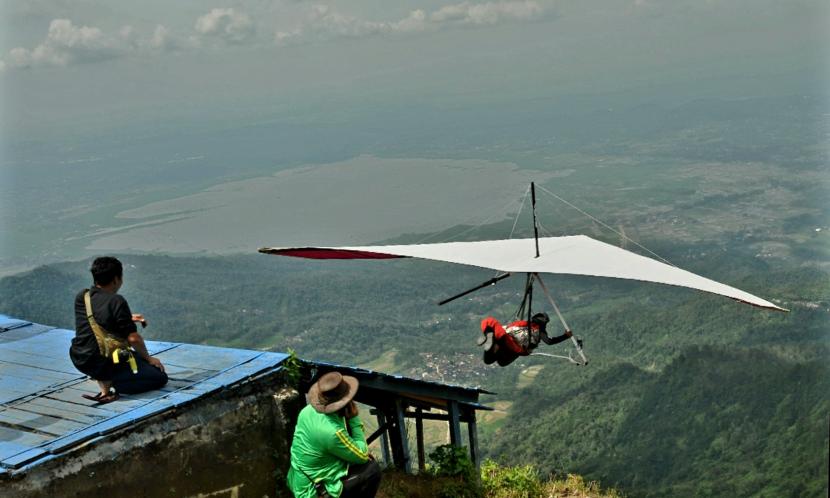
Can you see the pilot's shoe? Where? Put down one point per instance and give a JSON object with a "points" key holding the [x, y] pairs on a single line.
{"points": [[486, 341]]}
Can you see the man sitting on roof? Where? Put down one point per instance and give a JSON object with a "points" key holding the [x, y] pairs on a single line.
{"points": [[329, 455], [107, 345], [504, 345]]}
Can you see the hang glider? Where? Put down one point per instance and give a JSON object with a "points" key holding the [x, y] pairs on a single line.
{"points": [[569, 255]]}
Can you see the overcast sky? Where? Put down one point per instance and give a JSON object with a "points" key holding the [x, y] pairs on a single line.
{"points": [[98, 61], [241, 87]]}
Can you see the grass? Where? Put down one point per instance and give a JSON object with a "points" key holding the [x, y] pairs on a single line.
{"points": [[575, 487], [504, 482], [527, 376], [383, 363], [500, 411], [396, 484]]}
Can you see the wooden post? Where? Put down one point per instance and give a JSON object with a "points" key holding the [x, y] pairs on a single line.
{"points": [[455, 425], [384, 440], [419, 437], [395, 441], [400, 423], [472, 432]]}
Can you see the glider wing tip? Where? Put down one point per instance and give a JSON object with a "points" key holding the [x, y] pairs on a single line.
{"points": [[777, 308], [768, 306], [270, 250]]}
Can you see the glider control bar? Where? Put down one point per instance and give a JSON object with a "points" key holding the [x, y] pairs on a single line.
{"points": [[561, 357], [576, 343], [492, 281]]}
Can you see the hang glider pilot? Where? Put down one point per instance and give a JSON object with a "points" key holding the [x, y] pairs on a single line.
{"points": [[329, 455], [107, 345], [505, 344]]}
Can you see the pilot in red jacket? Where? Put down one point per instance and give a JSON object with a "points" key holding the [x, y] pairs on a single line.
{"points": [[505, 344]]}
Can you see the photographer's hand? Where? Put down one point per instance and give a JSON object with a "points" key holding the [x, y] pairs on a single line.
{"points": [[350, 410]]}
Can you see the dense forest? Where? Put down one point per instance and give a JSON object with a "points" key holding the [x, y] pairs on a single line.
{"points": [[686, 394], [712, 423]]}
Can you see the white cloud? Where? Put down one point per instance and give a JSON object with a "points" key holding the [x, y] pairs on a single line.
{"points": [[163, 40], [487, 13], [414, 22], [328, 23], [325, 23], [226, 24], [66, 43]]}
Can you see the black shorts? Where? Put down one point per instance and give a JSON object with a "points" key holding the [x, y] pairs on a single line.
{"points": [[97, 367], [123, 379]]}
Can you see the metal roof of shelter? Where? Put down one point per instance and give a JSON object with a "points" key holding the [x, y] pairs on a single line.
{"points": [[431, 394], [396, 398], [42, 413]]}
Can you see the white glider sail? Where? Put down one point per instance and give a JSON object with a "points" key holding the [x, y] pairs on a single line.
{"points": [[571, 255]]}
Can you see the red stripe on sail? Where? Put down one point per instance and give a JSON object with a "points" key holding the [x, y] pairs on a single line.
{"points": [[322, 253]]}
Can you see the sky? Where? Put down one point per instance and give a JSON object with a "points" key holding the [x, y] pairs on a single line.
{"points": [[94, 62], [91, 85]]}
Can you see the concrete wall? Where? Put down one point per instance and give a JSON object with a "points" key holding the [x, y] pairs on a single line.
{"points": [[234, 443]]}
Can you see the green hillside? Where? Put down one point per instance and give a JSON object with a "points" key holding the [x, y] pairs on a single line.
{"points": [[686, 394], [712, 423]]}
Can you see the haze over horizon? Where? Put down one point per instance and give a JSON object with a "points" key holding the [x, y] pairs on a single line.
{"points": [[108, 107]]}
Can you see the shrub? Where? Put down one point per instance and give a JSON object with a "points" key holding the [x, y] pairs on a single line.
{"points": [[292, 366], [510, 482], [452, 462]]}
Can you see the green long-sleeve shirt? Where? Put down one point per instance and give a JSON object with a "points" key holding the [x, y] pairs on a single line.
{"points": [[323, 448]]}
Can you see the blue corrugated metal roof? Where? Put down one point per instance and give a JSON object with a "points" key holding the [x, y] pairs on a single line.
{"points": [[43, 414], [9, 323]]}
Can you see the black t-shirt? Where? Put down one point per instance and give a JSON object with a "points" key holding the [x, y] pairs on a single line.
{"points": [[111, 311]]}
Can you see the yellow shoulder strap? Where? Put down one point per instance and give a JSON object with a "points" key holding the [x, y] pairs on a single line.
{"points": [[88, 303], [111, 347], [100, 333]]}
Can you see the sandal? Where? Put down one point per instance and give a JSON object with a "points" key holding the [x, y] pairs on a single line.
{"points": [[102, 398], [109, 398]]}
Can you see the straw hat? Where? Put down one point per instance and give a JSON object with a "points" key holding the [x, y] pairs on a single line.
{"points": [[332, 392]]}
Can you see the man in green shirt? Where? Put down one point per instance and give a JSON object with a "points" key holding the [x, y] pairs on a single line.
{"points": [[329, 452]]}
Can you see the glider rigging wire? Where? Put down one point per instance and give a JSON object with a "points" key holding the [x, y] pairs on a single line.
{"points": [[607, 226], [519, 212], [506, 208], [576, 343]]}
